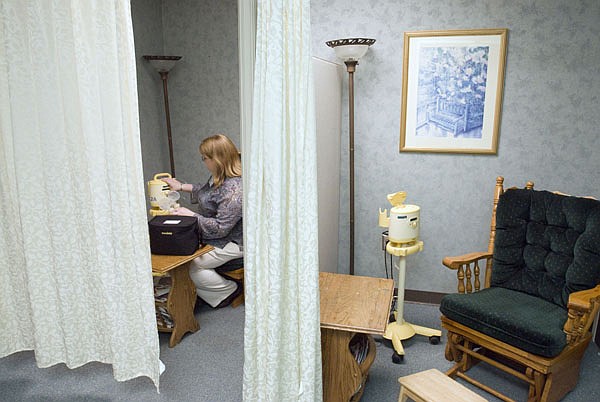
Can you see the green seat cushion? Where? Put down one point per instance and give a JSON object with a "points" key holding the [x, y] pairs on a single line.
{"points": [[527, 322]]}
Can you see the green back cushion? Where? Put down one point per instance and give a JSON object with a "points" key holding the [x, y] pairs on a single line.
{"points": [[547, 246]]}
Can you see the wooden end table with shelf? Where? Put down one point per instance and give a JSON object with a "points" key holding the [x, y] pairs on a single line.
{"points": [[353, 308], [181, 299]]}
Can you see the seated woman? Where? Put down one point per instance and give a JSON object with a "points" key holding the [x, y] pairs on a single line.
{"points": [[219, 216]]}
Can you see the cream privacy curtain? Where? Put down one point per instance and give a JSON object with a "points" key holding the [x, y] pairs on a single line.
{"points": [[75, 274], [282, 336]]}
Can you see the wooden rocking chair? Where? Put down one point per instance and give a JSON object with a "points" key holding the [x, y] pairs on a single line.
{"points": [[533, 315]]}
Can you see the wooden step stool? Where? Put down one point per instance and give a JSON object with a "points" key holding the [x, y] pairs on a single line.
{"points": [[434, 386]]}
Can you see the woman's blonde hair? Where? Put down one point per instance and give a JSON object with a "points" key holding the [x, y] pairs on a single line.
{"points": [[224, 154]]}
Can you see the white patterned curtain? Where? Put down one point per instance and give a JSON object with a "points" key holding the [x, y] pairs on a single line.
{"points": [[75, 274], [282, 335]]}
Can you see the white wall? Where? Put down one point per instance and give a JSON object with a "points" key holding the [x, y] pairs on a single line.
{"points": [[328, 104]]}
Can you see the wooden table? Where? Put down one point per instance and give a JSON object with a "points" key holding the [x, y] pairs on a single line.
{"points": [[182, 296], [352, 309]]}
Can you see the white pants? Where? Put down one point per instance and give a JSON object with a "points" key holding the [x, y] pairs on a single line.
{"points": [[210, 286]]}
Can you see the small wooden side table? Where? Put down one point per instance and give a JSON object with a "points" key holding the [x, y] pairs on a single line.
{"points": [[182, 296], [352, 309]]}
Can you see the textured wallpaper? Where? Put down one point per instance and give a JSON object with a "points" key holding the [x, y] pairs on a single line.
{"points": [[204, 86], [548, 133], [147, 27]]}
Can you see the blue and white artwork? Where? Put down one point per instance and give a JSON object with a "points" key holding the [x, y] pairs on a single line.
{"points": [[451, 91]]}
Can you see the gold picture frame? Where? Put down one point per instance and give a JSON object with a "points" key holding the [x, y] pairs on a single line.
{"points": [[452, 89]]}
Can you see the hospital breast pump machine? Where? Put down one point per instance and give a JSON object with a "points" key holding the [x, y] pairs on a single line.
{"points": [[162, 198], [403, 225]]}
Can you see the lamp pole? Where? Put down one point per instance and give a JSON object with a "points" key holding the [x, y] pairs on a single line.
{"points": [[164, 64], [164, 76], [351, 67], [350, 50]]}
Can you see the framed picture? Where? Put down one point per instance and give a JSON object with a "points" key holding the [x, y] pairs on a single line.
{"points": [[452, 85]]}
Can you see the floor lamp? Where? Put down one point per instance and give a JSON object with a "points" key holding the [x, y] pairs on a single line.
{"points": [[164, 64], [350, 51]]}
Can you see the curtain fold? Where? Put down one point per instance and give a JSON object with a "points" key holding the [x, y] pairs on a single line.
{"points": [[75, 273], [282, 335]]}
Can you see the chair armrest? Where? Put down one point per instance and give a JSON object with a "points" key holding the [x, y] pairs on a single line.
{"points": [[468, 271], [455, 262], [583, 307]]}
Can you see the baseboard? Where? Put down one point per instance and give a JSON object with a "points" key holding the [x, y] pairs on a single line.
{"points": [[421, 296]]}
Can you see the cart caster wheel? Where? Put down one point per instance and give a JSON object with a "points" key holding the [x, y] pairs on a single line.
{"points": [[397, 359], [434, 340]]}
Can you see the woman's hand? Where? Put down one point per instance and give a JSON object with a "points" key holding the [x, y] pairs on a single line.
{"points": [[183, 211], [174, 184]]}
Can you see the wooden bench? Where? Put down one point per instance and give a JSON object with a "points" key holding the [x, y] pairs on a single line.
{"points": [[238, 275], [234, 270], [455, 117], [434, 386]]}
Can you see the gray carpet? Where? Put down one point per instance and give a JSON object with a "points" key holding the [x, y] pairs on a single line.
{"points": [[207, 366]]}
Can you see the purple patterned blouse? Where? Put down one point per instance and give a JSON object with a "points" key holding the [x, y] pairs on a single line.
{"points": [[219, 211]]}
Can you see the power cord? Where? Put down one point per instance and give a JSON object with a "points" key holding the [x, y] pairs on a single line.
{"points": [[383, 246]]}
